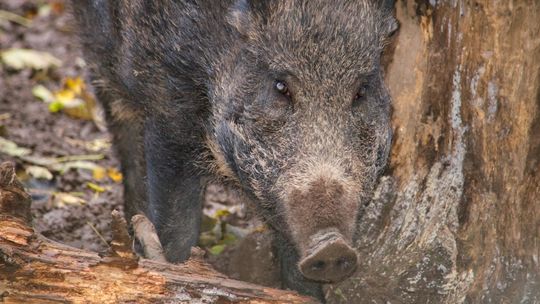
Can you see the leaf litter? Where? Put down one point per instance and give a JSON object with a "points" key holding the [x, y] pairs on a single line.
{"points": [[55, 153]]}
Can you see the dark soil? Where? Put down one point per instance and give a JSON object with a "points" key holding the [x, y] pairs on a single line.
{"points": [[27, 121]]}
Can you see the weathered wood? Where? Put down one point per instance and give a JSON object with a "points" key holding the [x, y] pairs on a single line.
{"points": [[458, 218], [121, 243], [146, 234], [34, 269]]}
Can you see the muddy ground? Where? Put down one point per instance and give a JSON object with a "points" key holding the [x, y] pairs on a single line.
{"points": [[73, 206]]}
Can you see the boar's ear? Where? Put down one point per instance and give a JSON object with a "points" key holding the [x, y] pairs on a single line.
{"points": [[244, 15], [390, 25]]}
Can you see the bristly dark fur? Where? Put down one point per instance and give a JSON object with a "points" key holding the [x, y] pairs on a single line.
{"points": [[191, 84]]}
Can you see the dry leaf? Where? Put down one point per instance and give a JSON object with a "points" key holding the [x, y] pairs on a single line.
{"points": [[114, 175], [39, 172], [43, 93], [6, 15], [12, 149], [63, 167], [99, 173], [98, 144], [61, 199], [74, 100], [19, 59]]}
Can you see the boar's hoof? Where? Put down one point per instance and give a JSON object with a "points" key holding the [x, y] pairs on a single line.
{"points": [[331, 261]]}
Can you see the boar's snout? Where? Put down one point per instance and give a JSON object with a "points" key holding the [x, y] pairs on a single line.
{"points": [[329, 260], [321, 215]]}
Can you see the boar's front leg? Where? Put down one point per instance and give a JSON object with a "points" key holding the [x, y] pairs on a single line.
{"points": [[290, 275], [174, 188]]}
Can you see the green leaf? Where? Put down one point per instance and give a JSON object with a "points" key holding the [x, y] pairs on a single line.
{"points": [[217, 249], [56, 106], [222, 213], [95, 187], [86, 157], [228, 239], [207, 239]]}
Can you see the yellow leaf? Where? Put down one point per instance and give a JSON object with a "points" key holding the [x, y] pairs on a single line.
{"points": [[99, 173], [74, 99], [65, 96], [115, 175], [75, 84], [260, 229], [95, 187], [222, 213]]}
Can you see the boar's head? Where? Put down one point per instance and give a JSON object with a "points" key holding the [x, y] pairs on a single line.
{"points": [[301, 119]]}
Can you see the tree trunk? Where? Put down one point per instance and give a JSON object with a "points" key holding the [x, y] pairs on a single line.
{"points": [[34, 269], [457, 218]]}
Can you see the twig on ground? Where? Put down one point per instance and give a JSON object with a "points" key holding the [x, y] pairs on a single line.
{"points": [[98, 234], [9, 16]]}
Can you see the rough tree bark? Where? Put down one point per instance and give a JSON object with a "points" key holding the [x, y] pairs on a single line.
{"points": [[457, 219], [34, 269]]}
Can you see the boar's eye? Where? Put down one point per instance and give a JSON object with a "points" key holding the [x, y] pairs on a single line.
{"points": [[282, 88], [360, 96]]}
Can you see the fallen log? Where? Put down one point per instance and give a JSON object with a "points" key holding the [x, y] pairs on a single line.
{"points": [[34, 269]]}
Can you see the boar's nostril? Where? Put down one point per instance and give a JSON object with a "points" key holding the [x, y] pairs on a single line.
{"points": [[343, 263], [318, 265], [330, 261]]}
